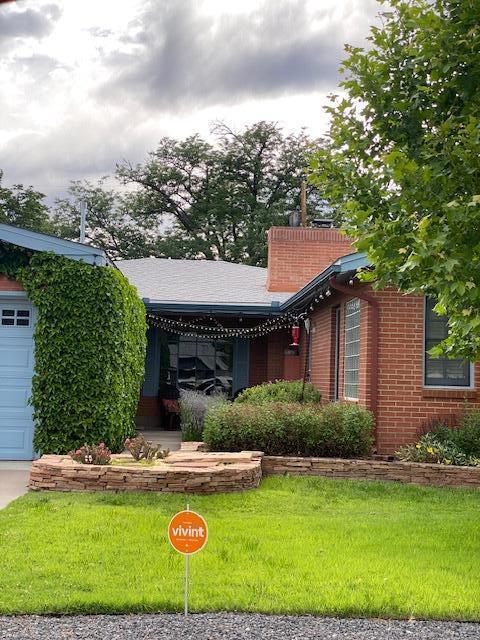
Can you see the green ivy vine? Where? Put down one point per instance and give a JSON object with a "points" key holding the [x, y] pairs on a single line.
{"points": [[90, 341]]}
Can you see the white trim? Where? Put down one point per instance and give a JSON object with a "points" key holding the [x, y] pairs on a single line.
{"points": [[357, 313], [13, 294]]}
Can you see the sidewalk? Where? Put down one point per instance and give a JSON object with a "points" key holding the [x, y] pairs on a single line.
{"points": [[13, 481]]}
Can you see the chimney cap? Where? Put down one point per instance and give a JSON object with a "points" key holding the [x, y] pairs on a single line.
{"points": [[323, 223]]}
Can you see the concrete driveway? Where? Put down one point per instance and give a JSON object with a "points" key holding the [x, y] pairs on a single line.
{"points": [[13, 481]]}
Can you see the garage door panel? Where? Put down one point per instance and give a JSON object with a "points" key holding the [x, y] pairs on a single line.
{"points": [[14, 398], [13, 361], [15, 437], [16, 442], [16, 370]]}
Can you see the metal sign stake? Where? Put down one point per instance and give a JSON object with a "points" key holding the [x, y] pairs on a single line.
{"points": [[188, 534], [186, 577]]}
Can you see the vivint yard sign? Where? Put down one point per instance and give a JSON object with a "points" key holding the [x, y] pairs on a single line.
{"points": [[188, 533]]}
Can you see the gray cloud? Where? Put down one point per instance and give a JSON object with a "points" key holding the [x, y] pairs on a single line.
{"points": [[175, 56], [38, 66], [80, 147], [29, 23]]}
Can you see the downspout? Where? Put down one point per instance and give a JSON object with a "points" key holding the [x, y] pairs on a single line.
{"points": [[363, 295]]}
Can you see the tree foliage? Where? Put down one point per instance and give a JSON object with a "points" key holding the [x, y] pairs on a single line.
{"points": [[402, 164], [24, 207], [90, 340], [111, 223], [216, 201]]}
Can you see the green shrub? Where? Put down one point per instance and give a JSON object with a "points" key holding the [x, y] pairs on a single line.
{"points": [[280, 428], [90, 340], [280, 391], [193, 408], [435, 448], [346, 430], [467, 436], [464, 439]]}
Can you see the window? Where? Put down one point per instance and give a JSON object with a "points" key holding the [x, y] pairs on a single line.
{"points": [[197, 363], [15, 317], [352, 348], [442, 372]]}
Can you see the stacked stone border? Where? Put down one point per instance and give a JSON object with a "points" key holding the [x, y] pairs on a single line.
{"points": [[193, 470], [202, 473], [408, 472]]}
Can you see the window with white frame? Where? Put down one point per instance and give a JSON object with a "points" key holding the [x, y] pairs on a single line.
{"points": [[442, 372], [15, 318], [352, 348]]}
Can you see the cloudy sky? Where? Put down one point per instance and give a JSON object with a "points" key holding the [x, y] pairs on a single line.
{"points": [[86, 83]]}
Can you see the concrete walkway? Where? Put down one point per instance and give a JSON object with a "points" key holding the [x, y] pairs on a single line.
{"points": [[13, 481], [167, 439]]}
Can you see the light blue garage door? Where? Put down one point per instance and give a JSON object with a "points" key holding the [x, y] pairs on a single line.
{"points": [[17, 318]]}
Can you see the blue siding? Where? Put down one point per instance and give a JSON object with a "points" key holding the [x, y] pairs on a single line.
{"points": [[152, 363], [241, 363]]}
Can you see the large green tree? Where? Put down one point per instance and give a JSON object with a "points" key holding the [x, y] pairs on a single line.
{"points": [[24, 207], [402, 163], [217, 200], [111, 223]]}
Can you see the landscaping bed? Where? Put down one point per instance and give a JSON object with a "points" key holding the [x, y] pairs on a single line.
{"points": [[181, 471]]}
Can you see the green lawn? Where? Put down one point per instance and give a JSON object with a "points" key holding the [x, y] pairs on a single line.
{"points": [[296, 545]]}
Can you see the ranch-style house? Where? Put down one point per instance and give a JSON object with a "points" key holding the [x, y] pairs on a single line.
{"points": [[218, 326]]}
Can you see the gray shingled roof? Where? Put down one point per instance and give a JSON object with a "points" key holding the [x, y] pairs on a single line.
{"points": [[197, 281]]}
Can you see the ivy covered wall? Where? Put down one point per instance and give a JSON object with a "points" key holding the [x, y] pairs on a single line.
{"points": [[90, 340]]}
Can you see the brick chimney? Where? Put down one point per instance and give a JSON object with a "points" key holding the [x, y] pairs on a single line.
{"points": [[297, 254]]}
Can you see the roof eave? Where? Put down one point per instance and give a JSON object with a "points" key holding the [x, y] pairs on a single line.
{"points": [[220, 309], [346, 264], [42, 242]]}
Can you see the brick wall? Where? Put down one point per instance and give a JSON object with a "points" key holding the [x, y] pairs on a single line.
{"points": [[297, 254], [267, 357], [258, 360], [404, 404], [148, 406], [9, 285]]}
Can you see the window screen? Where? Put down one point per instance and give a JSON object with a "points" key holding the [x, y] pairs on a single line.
{"points": [[441, 372], [352, 348]]}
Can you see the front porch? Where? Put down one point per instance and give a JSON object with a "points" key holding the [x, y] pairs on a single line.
{"points": [[220, 363]]}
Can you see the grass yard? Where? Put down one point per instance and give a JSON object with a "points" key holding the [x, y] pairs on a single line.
{"points": [[296, 545]]}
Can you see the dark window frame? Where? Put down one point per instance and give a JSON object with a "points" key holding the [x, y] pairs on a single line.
{"points": [[172, 372], [432, 321]]}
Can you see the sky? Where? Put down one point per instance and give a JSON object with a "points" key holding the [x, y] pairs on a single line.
{"points": [[88, 83]]}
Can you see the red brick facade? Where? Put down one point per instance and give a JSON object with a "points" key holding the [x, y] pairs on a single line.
{"points": [[9, 285], [298, 254], [404, 403], [391, 360]]}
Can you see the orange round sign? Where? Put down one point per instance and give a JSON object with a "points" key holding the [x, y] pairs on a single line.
{"points": [[187, 532]]}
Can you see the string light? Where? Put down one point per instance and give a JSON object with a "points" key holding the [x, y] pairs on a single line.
{"points": [[216, 330], [193, 329]]}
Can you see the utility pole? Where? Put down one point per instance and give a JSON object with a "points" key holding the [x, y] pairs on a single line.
{"points": [[83, 220]]}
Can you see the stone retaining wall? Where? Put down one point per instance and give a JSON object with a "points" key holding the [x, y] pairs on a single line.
{"points": [[192, 471], [409, 472], [187, 473]]}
